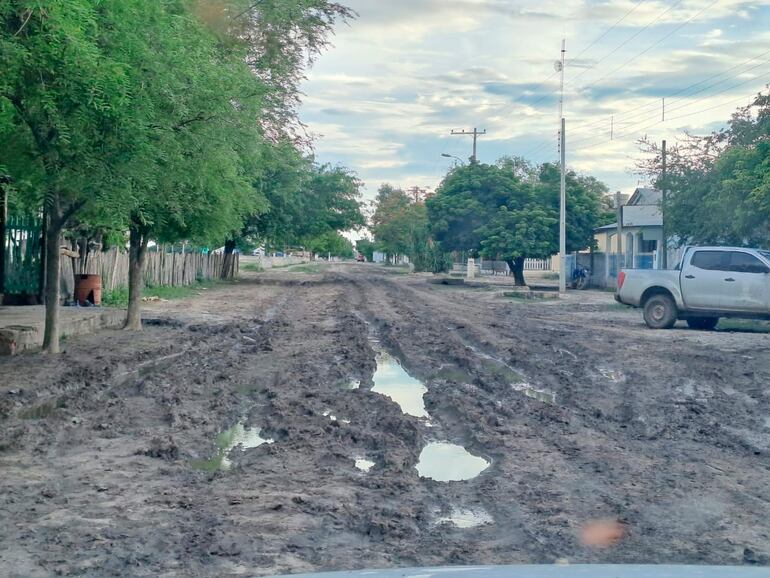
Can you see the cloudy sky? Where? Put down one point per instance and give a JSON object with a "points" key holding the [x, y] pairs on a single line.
{"points": [[405, 73]]}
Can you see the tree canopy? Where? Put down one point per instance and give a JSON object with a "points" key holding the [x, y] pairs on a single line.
{"points": [[719, 185], [165, 119], [510, 211]]}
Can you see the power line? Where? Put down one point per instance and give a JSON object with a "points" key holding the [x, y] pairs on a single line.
{"points": [[593, 141], [626, 116], [651, 46], [610, 29], [583, 51], [629, 39]]}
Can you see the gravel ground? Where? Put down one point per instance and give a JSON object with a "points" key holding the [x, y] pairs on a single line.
{"points": [[582, 412]]}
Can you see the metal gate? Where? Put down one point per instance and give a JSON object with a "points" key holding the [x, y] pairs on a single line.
{"points": [[22, 247]]}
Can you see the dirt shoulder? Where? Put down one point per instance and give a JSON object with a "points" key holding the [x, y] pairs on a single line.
{"points": [[582, 412]]}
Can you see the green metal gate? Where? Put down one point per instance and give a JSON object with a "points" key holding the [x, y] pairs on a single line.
{"points": [[21, 243]]}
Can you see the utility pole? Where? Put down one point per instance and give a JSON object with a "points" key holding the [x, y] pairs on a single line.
{"points": [[563, 215], [475, 133], [563, 187], [664, 184], [619, 211]]}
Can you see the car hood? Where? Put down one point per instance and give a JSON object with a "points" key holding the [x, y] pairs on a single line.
{"points": [[556, 571]]}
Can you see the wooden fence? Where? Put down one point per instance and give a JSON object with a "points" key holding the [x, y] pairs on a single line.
{"points": [[172, 269]]}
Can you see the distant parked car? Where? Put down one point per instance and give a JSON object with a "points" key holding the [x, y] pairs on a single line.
{"points": [[360, 258], [709, 283]]}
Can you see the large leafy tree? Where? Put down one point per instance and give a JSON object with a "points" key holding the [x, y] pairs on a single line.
{"points": [[719, 185], [394, 221], [510, 210], [70, 106], [306, 201], [284, 39], [198, 151]]}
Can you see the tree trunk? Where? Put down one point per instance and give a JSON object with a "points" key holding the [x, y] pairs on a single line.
{"points": [[54, 228], [517, 269], [227, 265], [136, 253]]}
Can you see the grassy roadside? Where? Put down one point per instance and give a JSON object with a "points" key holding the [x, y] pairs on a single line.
{"points": [[118, 297], [744, 325], [252, 267]]}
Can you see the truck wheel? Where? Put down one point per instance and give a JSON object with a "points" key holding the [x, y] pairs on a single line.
{"points": [[703, 323], [660, 312]]}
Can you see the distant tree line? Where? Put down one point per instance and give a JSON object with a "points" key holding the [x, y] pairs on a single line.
{"points": [[507, 211]]}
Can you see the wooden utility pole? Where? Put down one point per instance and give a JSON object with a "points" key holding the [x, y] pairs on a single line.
{"points": [[475, 133], [664, 248]]}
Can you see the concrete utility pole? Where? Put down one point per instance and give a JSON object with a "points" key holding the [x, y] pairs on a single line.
{"points": [[475, 133], [563, 214], [664, 248], [563, 190], [619, 211]]}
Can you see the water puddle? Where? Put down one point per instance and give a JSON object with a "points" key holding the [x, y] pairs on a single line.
{"points": [[445, 462], [538, 394], [364, 465], [227, 441], [391, 380], [467, 518]]}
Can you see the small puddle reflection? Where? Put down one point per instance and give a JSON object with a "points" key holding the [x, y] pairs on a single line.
{"points": [[445, 462], [467, 518], [364, 465], [227, 441], [391, 380]]}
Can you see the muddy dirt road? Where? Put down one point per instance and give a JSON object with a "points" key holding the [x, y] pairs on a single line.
{"points": [[230, 437]]}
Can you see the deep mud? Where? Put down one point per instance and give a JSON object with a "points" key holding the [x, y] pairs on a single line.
{"points": [[106, 451]]}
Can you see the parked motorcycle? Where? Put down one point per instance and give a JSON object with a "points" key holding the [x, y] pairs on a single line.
{"points": [[580, 277]]}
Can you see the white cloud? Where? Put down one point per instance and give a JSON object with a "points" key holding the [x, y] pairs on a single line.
{"points": [[407, 71]]}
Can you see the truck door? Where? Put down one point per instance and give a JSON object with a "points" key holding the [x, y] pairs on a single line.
{"points": [[703, 278], [746, 285]]}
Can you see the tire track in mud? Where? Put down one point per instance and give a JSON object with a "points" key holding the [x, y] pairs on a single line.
{"points": [[611, 463], [279, 358]]}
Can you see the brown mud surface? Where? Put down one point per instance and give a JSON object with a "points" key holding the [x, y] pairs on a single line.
{"points": [[583, 413]]}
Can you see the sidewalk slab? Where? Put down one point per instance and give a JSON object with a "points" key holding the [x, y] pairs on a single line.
{"points": [[21, 328]]}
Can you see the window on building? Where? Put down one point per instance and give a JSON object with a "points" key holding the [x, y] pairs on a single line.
{"points": [[648, 246]]}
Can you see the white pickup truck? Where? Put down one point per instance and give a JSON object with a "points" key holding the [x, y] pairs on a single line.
{"points": [[709, 283]]}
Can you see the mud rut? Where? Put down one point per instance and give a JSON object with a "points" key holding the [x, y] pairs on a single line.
{"points": [[96, 450]]}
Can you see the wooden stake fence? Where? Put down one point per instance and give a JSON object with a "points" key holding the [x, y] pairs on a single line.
{"points": [[169, 269]]}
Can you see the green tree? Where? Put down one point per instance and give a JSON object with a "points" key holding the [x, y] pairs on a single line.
{"points": [[196, 152], [330, 243], [394, 221], [306, 200], [510, 211], [70, 101], [366, 248], [719, 185]]}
